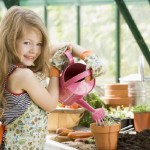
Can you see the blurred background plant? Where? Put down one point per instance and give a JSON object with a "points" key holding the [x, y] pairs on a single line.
{"points": [[141, 108]]}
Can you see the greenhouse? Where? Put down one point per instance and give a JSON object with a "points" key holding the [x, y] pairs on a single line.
{"points": [[75, 74]]}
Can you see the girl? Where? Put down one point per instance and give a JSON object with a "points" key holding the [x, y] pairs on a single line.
{"points": [[24, 51]]}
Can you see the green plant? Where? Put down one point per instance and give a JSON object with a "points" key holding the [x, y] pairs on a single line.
{"points": [[109, 120], [141, 108], [121, 112]]}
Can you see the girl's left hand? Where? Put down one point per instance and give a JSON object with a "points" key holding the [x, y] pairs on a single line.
{"points": [[59, 59], [94, 63]]}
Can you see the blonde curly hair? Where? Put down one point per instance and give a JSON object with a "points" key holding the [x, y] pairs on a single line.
{"points": [[17, 20]]}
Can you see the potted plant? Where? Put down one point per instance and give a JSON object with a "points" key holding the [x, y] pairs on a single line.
{"points": [[141, 117], [106, 133], [125, 115]]}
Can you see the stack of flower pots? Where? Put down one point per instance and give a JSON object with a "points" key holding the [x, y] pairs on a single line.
{"points": [[116, 95]]}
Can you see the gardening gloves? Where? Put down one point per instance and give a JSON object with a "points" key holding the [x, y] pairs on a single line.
{"points": [[59, 59], [54, 72], [93, 62]]}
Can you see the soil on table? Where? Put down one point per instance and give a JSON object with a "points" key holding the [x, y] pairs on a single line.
{"points": [[138, 141], [126, 141]]}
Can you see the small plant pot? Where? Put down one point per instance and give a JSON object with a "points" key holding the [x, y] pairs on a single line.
{"points": [[141, 121], [117, 101], [106, 137]]}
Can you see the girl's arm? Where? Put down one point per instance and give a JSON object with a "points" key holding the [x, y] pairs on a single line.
{"points": [[24, 79]]}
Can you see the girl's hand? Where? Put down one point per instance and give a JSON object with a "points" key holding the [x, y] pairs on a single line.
{"points": [[59, 59], [94, 62]]}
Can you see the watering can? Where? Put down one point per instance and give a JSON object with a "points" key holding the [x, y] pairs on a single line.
{"points": [[73, 86]]}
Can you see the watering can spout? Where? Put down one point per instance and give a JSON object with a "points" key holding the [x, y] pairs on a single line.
{"points": [[97, 114], [85, 105]]}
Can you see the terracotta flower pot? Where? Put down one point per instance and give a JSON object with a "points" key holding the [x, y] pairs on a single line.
{"points": [[141, 121], [106, 137]]}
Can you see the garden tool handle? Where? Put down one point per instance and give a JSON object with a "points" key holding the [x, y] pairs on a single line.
{"points": [[69, 56]]}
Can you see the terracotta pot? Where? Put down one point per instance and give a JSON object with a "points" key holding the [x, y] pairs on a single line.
{"points": [[118, 101], [141, 121], [116, 95], [106, 137], [116, 86]]}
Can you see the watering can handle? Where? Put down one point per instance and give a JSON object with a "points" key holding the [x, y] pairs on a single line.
{"points": [[78, 77], [69, 56]]}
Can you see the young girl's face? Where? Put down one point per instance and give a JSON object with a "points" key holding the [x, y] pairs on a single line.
{"points": [[29, 46]]}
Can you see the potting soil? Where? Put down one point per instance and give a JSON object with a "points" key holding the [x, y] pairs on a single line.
{"points": [[126, 141], [138, 141]]}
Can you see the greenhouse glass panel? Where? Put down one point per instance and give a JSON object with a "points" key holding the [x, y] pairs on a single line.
{"points": [[98, 35], [130, 51], [62, 23]]}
